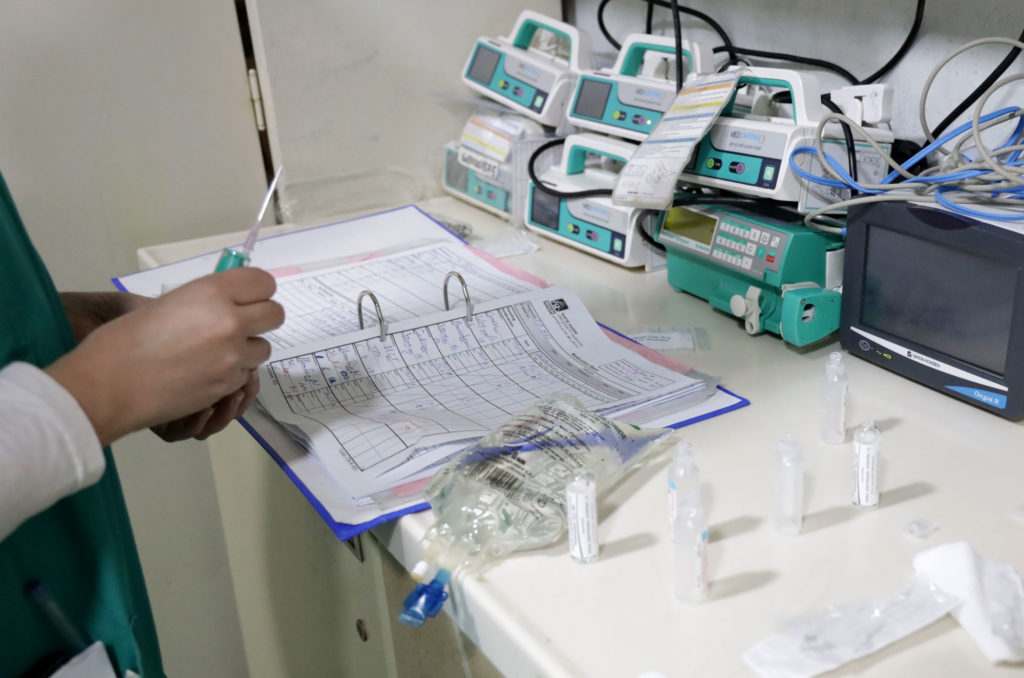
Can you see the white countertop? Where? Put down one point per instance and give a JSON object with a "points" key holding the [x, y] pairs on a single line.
{"points": [[541, 613]]}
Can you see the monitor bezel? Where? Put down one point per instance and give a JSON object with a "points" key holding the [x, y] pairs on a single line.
{"points": [[965, 234]]}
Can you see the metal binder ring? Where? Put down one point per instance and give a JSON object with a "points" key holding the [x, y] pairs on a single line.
{"points": [[465, 294], [376, 306]]}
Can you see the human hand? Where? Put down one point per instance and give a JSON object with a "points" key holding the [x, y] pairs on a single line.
{"points": [[175, 357], [200, 425]]}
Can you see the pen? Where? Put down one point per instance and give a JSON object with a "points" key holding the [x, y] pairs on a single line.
{"points": [[235, 257], [48, 605]]}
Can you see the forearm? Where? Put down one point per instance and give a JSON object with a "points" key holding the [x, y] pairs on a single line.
{"points": [[48, 448], [88, 310]]}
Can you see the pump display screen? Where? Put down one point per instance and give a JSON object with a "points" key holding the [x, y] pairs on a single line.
{"points": [[544, 209], [592, 98], [484, 62], [941, 298]]}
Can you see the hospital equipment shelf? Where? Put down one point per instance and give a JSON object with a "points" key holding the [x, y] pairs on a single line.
{"points": [[539, 613]]}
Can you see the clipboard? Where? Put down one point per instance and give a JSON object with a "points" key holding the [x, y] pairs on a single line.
{"points": [[406, 226]]}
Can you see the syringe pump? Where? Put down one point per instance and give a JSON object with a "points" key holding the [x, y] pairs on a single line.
{"points": [[530, 81], [629, 99]]}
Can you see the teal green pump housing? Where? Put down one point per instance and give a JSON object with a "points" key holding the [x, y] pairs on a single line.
{"points": [[772, 271]]}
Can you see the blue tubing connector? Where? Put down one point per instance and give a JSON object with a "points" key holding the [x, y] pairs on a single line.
{"points": [[426, 600]]}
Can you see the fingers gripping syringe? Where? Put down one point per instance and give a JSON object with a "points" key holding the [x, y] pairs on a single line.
{"points": [[236, 257]]}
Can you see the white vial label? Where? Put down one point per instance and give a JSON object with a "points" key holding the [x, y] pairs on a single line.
{"points": [[581, 509], [865, 475], [692, 566], [700, 583], [672, 510]]}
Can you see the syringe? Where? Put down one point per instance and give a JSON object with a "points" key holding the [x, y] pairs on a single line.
{"points": [[236, 257]]}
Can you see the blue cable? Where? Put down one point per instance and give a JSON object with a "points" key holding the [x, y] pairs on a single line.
{"points": [[948, 136], [978, 214], [1013, 139]]}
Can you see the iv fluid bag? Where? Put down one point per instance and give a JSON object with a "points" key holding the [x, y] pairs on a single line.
{"points": [[507, 491]]}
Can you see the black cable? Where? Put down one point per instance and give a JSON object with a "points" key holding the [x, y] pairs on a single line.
{"points": [[678, 32], [590, 193], [981, 89], [649, 23], [835, 68], [715, 26], [734, 51], [643, 218], [904, 48], [604, 29], [851, 152], [809, 61], [690, 198]]}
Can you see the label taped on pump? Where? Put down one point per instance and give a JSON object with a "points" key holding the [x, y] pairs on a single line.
{"points": [[490, 137], [649, 178]]}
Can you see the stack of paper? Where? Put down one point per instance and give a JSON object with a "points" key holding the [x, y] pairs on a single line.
{"points": [[381, 413]]}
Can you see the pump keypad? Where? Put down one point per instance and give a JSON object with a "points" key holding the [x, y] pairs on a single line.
{"points": [[747, 248]]}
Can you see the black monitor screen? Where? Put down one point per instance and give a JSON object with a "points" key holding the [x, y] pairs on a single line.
{"points": [[941, 298], [544, 209], [484, 62], [592, 98]]}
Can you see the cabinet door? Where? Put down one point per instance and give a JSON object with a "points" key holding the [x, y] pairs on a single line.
{"points": [[360, 97]]}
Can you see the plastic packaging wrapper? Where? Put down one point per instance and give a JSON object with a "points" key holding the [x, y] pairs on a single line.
{"points": [[818, 643], [992, 612], [986, 597], [507, 491]]}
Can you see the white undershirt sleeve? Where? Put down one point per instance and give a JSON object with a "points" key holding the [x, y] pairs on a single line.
{"points": [[48, 448]]}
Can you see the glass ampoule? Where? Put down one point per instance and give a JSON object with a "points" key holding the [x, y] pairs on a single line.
{"points": [[789, 486], [683, 478], [581, 516], [691, 541], [834, 392], [867, 441]]}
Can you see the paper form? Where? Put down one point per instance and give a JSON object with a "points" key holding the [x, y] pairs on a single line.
{"points": [[403, 227], [377, 414], [321, 304], [649, 178]]}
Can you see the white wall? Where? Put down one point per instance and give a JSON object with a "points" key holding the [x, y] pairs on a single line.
{"points": [[859, 36], [125, 124]]}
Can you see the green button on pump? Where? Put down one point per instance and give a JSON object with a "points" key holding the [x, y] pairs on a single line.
{"points": [[769, 172]]}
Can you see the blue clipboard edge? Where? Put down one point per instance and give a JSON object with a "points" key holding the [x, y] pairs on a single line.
{"points": [[346, 531]]}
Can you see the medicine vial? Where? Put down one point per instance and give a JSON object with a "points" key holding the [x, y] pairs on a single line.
{"points": [[691, 543], [581, 509], [833, 400], [683, 478], [866, 442], [789, 486]]}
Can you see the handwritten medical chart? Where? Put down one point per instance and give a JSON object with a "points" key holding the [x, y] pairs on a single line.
{"points": [[322, 304], [381, 413]]}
